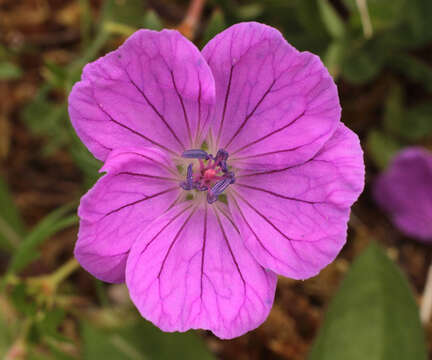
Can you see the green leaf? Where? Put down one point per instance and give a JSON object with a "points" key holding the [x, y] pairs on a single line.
{"points": [[333, 58], [381, 148], [383, 14], [8, 326], [362, 62], [418, 122], [87, 163], [22, 301], [11, 224], [9, 71], [55, 75], [128, 12], [141, 341], [152, 21], [373, 315], [249, 12], [119, 29], [48, 324], [215, 25], [413, 68], [48, 119], [86, 22], [332, 20], [419, 14], [50, 225], [309, 16], [394, 113], [410, 124]]}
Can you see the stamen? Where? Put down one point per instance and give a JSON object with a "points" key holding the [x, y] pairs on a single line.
{"points": [[195, 154], [221, 155], [217, 189], [213, 175], [188, 184]]}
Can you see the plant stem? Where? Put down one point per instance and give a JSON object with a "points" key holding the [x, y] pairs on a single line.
{"points": [[426, 304], [365, 18], [190, 22], [64, 271]]}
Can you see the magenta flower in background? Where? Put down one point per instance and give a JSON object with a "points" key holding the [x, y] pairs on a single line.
{"points": [[404, 191], [223, 168]]}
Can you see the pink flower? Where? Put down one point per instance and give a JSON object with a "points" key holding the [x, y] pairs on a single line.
{"points": [[404, 191], [199, 236]]}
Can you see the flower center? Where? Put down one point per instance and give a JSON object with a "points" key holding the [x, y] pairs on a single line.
{"points": [[212, 176]]}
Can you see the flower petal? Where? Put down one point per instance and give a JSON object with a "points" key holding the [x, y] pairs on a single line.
{"points": [[190, 270], [274, 104], [294, 220], [404, 192], [154, 90], [138, 187]]}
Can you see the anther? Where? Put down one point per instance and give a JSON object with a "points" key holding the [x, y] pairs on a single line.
{"points": [[195, 154], [221, 156], [212, 176], [188, 184]]}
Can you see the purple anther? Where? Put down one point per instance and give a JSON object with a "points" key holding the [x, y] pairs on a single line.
{"points": [[185, 186], [195, 154], [230, 175], [211, 198], [223, 166], [218, 189], [221, 156], [188, 184], [212, 176], [200, 187], [189, 173]]}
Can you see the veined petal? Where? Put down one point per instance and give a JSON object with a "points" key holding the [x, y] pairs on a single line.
{"points": [[138, 187], [154, 90], [190, 269], [274, 104], [294, 220]]}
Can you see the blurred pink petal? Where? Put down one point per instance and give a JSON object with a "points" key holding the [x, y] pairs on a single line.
{"points": [[404, 191]]}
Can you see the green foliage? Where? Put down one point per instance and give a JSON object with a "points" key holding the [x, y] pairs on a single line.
{"points": [[408, 124], [152, 21], [373, 315], [249, 12], [414, 69], [384, 15], [11, 224], [49, 322], [381, 148], [48, 119], [9, 71], [332, 20], [140, 341], [215, 25], [7, 330], [27, 251], [332, 58]]}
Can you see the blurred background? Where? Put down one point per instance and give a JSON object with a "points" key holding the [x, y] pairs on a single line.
{"points": [[380, 54]]}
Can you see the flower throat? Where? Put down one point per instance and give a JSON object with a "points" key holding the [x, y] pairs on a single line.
{"points": [[213, 175]]}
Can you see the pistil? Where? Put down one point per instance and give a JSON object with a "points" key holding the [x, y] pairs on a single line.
{"points": [[213, 175]]}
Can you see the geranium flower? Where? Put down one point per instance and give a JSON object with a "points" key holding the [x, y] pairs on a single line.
{"points": [[224, 168], [404, 191]]}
